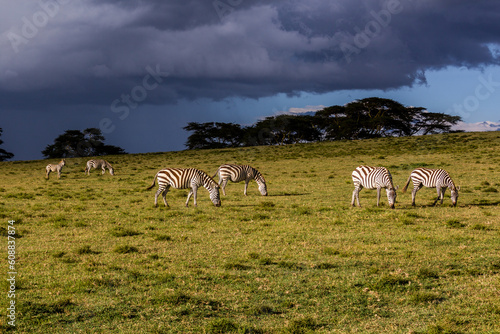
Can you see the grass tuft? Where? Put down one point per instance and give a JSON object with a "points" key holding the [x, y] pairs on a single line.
{"points": [[454, 223], [299, 326], [424, 273], [221, 325], [425, 297], [236, 266], [123, 232], [162, 237], [125, 249], [86, 250]]}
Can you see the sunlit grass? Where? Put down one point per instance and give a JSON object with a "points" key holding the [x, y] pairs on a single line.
{"points": [[94, 252]]}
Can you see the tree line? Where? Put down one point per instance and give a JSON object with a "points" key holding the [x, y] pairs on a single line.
{"points": [[361, 119]]}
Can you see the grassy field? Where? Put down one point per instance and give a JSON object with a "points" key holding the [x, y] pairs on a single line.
{"points": [[93, 255]]}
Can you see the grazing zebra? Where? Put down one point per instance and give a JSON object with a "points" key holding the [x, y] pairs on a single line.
{"points": [[103, 164], [238, 173], [438, 178], [55, 168], [182, 178], [373, 178]]}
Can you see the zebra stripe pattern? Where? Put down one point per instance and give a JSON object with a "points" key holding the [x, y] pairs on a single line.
{"points": [[373, 178], [103, 164], [183, 178], [55, 168], [238, 173], [432, 178]]}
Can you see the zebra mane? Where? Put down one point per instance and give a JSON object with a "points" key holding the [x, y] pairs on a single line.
{"points": [[207, 178], [258, 176], [390, 178]]}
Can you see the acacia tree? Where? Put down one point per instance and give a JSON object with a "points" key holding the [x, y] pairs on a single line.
{"points": [[213, 135], [76, 143], [376, 117], [4, 155], [282, 130]]}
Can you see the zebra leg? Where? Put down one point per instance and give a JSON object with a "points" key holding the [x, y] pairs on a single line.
{"points": [[378, 195], [355, 196], [47, 172], [439, 196], [414, 193], [59, 174], [164, 195], [158, 192], [223, 184], [192, 192], [443, 190], [246, 186]]}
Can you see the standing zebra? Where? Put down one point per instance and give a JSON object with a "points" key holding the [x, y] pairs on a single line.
{"points": [[183, 178], [373, 178], [55, 168], [103, 164], [238, 173], [438, 178]]}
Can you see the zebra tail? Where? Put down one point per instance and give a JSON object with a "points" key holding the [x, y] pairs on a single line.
{"points": [[217, 172], [154, 181], [406, 185]]}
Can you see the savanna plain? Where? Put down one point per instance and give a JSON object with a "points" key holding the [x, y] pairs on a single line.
{"points": [[93, 254]]}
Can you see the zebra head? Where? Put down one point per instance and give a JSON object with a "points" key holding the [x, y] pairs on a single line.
{"points": [[211, 186], [262, 184], [454, 195], [391, 196], [215, 196], [63, 162], [263, 189], [111, 171]]}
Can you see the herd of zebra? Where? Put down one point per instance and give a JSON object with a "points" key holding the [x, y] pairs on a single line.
{"points": [[363, 177]]}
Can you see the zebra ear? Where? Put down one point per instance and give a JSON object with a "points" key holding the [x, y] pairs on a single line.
{"points": [[458, 188], [397, 187]]}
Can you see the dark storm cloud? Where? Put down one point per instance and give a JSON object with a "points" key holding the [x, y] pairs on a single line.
{"points": [[93, 52]]}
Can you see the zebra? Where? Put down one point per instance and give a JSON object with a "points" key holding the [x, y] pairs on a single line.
{"points": [[103, 164], [438, 178], [182, 178], [373, 178], [238, 173], [55, 168]]}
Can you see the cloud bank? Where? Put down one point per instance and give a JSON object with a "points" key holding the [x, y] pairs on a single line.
{"points": [[69, 52]]}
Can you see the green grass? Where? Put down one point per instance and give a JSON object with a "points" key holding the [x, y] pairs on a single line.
{"points": [[95, 255]]}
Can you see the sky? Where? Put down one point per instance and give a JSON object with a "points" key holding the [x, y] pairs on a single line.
{"points": [[141, 70]]}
